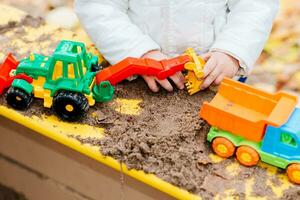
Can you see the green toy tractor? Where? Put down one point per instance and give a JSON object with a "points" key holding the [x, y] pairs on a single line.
{"points": [[64, 80]]}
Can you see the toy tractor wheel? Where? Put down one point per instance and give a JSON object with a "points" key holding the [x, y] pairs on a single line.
{"points": [[223, 147], [247, 156], [293, 173], [18, 98], [70, 106]]}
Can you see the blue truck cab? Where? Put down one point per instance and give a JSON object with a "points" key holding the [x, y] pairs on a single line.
{"points": [[284, 141]]}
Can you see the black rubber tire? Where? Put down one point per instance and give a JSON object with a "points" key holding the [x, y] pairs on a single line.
{"points": [[78, 102], [18, 98]]}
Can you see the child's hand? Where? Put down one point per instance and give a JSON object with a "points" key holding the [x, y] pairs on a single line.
{"points": [[218, 66], [152, 81]]}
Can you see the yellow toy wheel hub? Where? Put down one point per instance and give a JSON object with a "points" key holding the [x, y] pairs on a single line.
{"points": [[69, 108], [296, 175], [18, 98], [222, 148], [246, 157]]}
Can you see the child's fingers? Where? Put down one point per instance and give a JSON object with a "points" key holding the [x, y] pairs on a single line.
{"points": [[209, 66], [211, 78], [206, 56], [150, 80], [219, 79], [165, 84], [178, 79]]}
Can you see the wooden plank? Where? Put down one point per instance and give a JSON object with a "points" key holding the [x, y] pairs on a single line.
{"points": [[32, 185], [67, 167]]}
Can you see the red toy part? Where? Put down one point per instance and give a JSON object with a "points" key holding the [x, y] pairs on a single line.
{"points": [[139, 66], [9, 64]]}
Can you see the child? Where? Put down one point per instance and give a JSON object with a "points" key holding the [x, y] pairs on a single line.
{"points": [[229, 34]]}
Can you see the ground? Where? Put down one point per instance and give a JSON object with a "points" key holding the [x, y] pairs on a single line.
{"points": [[164, 135]]}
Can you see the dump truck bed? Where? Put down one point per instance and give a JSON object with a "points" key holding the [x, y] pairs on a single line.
{"points": [[246, 111]]}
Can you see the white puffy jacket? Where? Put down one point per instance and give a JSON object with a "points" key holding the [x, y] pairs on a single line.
{"points": [[123, 28]]}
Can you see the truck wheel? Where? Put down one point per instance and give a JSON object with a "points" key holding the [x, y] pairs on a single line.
{"points": [[18, 98], [223, 147], [247, 156], [70, 106], [293, 173]]}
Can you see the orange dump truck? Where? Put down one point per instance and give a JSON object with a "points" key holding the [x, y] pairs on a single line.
{"points": [[255, 125], [245, 111]]}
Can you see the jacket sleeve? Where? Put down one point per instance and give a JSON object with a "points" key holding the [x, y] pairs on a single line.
{"points": [[110, 28], [248, 26]]}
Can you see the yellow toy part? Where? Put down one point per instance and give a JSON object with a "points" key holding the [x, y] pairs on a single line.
{"points": [[31, 57], [40, 92], [194, 77], [48, 100], [38, 87], [90, 99]]}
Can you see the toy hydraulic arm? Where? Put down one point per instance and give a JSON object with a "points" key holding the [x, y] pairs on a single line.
{"points": [[161, 69], [139, 66]]}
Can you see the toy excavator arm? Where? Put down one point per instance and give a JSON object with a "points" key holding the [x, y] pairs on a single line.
{"points": [[193, 63], [138, 66]]}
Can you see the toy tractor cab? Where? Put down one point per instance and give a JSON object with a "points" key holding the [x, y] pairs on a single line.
{"points": [[65, 80]]}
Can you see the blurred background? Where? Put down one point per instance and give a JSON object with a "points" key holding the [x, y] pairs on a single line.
{"points": [[278, 67]]}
